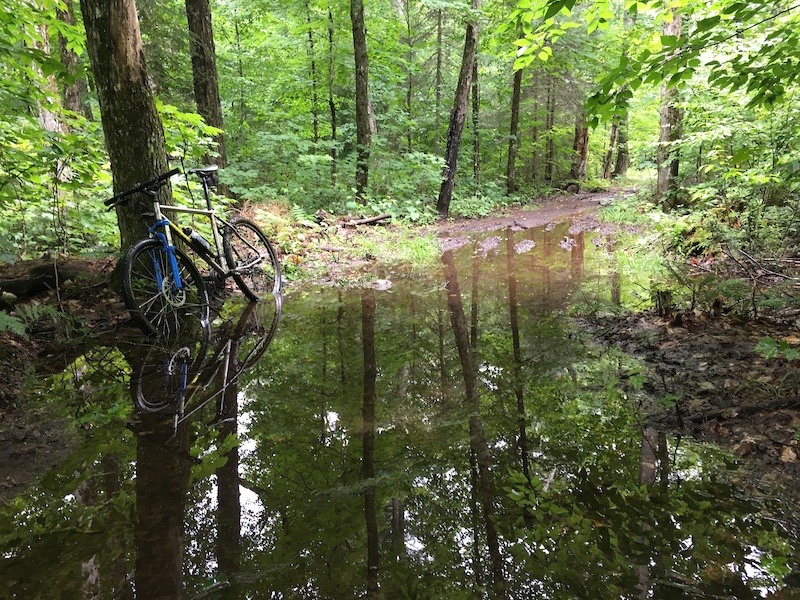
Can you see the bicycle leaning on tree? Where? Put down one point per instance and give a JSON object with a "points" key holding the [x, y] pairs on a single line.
{"points": [[163, 288]]}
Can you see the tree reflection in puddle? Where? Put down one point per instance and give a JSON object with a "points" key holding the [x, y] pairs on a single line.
{"points": [[443, 437]]}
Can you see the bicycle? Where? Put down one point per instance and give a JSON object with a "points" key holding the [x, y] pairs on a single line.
{"points": [[161, 285], [176, 378]]}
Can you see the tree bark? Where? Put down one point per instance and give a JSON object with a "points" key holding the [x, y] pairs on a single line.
{"points": [[476, 126], [670, 130], [511, 170], [438, 92], [331, 103], [549, 160], [580, 148], [363, 128], [314, 98], [458, 117], [623, 156], [612, 142], [133, 131], [204, 71], [72, 94]]}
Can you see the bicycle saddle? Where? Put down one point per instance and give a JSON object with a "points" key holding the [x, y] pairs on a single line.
{"points": [[208, 174]]}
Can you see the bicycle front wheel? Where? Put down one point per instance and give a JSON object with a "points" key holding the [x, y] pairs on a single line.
{"points": [[252, 259], [157, 303]]}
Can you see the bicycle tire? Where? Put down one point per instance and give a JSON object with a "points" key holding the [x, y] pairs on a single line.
{"points": [[162, 380], [243, 243], [167, 311], [255, 330]]}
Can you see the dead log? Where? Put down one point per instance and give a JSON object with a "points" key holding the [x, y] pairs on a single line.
{"points": [[35, 277], [368, 220], [747, 410]]}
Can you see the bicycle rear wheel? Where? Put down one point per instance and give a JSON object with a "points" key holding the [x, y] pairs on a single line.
{"points": [[252, 258], [253, 333], [156, 303]]}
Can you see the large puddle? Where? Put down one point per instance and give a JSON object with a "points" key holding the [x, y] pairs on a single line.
{"points": [[438, 435]]}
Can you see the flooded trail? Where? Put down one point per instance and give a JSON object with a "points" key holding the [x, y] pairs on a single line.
{"points": [[442, 434]]}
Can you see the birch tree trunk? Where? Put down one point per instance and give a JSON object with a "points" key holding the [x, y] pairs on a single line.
{"points": [[671, 128]]}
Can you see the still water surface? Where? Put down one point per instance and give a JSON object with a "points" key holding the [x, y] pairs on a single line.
{"points": [[443, 434]]}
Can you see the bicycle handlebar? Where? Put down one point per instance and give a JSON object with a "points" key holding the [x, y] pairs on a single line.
{"points": [[154, 183]]}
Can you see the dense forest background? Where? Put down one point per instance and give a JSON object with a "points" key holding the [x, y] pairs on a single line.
{"points": [[692, 100]]}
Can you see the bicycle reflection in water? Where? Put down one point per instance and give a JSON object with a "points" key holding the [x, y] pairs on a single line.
{"points": [[179, 377]]}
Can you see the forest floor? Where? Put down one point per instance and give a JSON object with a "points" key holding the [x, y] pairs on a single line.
{"points": [[714, 385]]}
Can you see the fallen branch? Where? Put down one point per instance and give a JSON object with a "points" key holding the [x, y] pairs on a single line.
{"points": [[368, 220], [735, 412]]}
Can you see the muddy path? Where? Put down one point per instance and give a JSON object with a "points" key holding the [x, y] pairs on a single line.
{"points": [[703, 376]]}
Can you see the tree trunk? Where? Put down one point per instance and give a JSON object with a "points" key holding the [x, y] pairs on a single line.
{"points": [[612, 142], [331, 103], [133, 131], [580, 146], [511, 170], [314, 98], [478, 442], [476, 126], [438, 93], [363, 129], [670, 130], [72, 94], [623, 156], [368, 441], [204, 71], [406, 10], [458, 116], [162, 481], [229, 505], [522, 419], [549, 160], [535, 139]]}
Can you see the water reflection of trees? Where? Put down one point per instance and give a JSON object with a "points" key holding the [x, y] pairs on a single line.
{"points": [[386, 436]]}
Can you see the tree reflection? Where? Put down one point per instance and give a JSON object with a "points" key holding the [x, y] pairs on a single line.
{"points": [[478, 444]]}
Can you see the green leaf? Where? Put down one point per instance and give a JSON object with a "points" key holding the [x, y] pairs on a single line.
{"points": [[706, 24], [767, 347]]}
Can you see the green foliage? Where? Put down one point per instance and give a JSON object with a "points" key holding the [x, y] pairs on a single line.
{"points": [[11, 323], [769, 348], [411, 211], [481, 203], [186, 134]]}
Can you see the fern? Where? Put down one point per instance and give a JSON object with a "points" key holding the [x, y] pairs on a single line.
{"points": [[302, 217], [35, 312], [11, 323]]}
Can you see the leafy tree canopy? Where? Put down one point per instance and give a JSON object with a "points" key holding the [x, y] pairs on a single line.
{"points": [[737, 45]]}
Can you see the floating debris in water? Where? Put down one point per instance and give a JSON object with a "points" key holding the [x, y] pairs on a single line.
{"points": [[454, 243], [567, 243], [381, 285], [489, 244], [524, 246]]}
